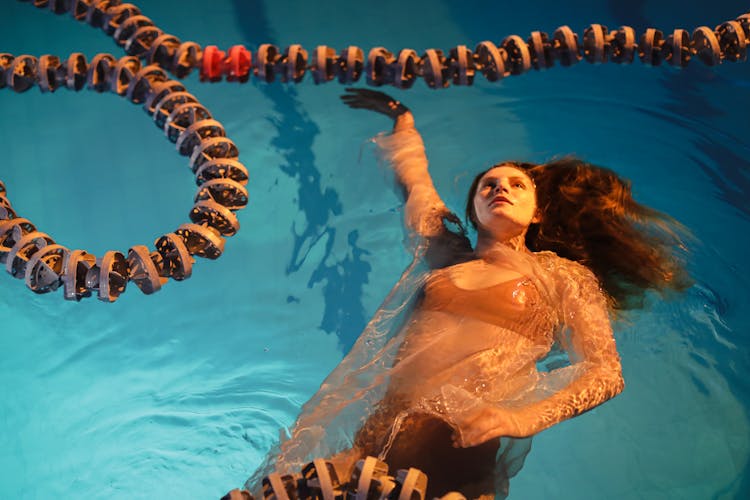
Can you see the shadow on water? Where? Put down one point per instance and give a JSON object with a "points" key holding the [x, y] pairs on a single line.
{"points": [[343, 280]]}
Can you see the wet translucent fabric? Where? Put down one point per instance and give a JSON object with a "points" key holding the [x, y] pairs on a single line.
{"points": [[439, 349]]}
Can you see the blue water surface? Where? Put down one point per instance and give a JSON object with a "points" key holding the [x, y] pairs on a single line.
{"points": [[183, 392]]}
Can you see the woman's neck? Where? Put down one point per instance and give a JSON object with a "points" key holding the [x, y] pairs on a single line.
{"points": [[486, 244]]}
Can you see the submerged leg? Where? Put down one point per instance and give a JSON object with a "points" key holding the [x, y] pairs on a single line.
{"points": [[425, 442]]}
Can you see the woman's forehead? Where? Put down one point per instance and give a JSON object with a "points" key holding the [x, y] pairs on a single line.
{"points": [[508, 171]]}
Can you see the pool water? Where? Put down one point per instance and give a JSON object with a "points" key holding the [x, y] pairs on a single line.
{"points": [[183, 392]]}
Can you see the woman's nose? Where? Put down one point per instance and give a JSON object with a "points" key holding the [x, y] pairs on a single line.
{"points": [[502, 186]]}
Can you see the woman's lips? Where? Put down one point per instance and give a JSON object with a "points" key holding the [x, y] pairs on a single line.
{"points": [[500, 199]]}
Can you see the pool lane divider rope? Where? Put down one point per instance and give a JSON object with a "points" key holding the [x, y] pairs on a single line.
{"points": [[141, 77], [369, 480], [213, 158], [140, 37]]}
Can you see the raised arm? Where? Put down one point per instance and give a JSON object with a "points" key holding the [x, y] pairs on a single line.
{"points": [[593, 377], [404, 150]]}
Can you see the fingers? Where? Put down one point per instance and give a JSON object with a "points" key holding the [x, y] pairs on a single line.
{"points": [[373, 100], [468, 439], [474, 431], [358, 103], [462, 438], [372, 94], [359, 106], [457, 441], [347, 97], [353, 96]]}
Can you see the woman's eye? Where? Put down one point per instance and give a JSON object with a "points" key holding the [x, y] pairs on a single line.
{"points": [[520, 185]]}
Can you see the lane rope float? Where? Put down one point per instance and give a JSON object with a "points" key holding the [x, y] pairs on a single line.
{"points": [[369, 480], [140, 37], [214, 159]]}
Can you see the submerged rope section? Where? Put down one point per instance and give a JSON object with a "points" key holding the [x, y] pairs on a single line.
{"points": [[141, 77]]}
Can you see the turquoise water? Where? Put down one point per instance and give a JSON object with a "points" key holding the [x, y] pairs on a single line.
{"points": [[182, 393]]}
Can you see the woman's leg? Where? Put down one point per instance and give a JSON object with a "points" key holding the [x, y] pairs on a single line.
{"points": [[425, 442]]}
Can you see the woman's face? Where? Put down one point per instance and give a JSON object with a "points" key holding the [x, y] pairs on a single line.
{"points": [[505, 201]]}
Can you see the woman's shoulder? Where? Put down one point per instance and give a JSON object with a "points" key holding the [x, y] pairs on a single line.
{"points": [[560, 267], [571, 282], [550, 259]]}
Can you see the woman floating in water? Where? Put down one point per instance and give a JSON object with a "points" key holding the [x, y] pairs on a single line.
{"points": [[464, 361]]}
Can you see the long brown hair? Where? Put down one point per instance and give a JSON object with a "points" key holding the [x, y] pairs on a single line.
{"points": [[588, 214]]}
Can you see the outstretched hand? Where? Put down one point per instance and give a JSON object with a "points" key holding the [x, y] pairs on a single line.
{"points": [[374, 101], [488, 423]]}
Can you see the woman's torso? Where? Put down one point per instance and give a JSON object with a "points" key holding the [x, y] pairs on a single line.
{"points": [[478, 327], [474, 337]]}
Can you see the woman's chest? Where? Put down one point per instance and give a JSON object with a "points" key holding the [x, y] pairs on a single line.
{"points": [[496, 295], [479, 274]]}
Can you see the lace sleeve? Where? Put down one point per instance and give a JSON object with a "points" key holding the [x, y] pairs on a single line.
{"points": [[534, 401], [425, 214], [588, 339]]}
